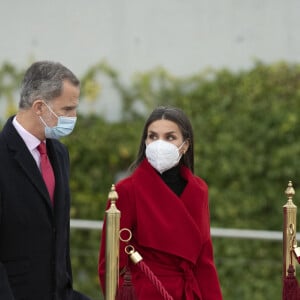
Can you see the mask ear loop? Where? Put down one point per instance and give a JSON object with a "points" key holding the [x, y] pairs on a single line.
{"points": [[50, 109], [187, 139], [42, 120], [181, 145], [183, 152]]}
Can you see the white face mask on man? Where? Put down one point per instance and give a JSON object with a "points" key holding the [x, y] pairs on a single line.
{"points": [[163, 155]]}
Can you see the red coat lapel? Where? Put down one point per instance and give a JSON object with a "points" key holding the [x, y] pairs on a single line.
{"points": [[167, 222]]}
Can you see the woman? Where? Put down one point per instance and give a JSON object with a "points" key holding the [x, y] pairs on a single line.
{"points": [[165, 206]]}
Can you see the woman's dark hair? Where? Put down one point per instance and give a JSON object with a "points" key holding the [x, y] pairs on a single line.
{"points": [[177, 116]]}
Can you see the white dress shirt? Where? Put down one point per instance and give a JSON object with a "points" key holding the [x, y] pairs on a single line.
{"points": [[30, 140]]}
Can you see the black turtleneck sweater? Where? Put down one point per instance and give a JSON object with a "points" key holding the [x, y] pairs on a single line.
{"points": [[173, 180]]}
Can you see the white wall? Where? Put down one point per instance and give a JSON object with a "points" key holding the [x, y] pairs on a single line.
{"points": [[136, 35]]}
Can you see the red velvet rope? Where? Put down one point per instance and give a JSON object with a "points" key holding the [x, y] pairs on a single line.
{"points": [[138, 261], [154, 280]]}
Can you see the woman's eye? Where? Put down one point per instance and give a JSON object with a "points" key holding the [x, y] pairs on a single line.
{"points": [[171, 138], [152, 137]]}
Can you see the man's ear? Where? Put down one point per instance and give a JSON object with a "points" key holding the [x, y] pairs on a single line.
{"points": [[38, 107]]}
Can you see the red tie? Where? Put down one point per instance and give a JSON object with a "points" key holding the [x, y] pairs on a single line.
{"points": [[47, 170]]}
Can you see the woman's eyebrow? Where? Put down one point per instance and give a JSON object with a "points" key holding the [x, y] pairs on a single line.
{"points": [[168, 132]]}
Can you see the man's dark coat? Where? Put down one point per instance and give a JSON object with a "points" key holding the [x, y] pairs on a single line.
{"points": [[34, 236]]}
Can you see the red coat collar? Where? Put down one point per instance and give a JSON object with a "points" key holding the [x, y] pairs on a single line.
{"points": [[166, 222]]}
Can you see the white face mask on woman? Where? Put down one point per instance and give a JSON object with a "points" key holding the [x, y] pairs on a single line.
{"points": [[163, 155]]}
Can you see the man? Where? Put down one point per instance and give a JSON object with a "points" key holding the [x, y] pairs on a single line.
{"points": [[34, 188]]}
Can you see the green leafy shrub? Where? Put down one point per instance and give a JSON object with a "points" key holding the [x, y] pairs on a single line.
{"points": [[246, 127]]}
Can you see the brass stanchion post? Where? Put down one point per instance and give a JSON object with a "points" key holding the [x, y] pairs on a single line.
{"points": [[289, 231], [112, 246]]}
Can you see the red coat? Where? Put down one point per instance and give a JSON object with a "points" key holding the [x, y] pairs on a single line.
{"points": [[171, 233]]}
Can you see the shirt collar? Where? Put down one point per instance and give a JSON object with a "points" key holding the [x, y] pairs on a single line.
{"points": [[30, 140]]}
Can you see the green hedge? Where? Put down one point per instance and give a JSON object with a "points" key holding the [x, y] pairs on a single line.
{"points": [[247, 148]]}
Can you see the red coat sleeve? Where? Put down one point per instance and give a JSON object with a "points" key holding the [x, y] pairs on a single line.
{"points": [[206, 274]]}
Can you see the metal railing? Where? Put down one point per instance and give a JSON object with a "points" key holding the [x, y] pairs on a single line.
{"points": [[215, 232]]}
